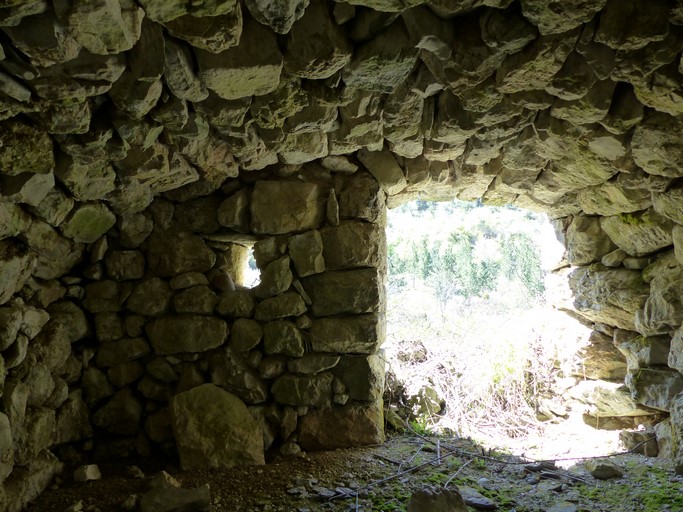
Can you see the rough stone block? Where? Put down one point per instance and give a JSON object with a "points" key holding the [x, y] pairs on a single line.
{"points": [[280, 207], [352, 291], [186, 333], [353, 245], [299, 390], [283, 337], [213, 428], [251, 68], [342, 427]]}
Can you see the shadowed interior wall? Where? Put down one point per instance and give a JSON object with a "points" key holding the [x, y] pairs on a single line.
{"points": [[145, 144]]}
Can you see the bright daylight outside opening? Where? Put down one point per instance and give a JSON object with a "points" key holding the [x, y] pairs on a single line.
{"points": [[478, 340]]}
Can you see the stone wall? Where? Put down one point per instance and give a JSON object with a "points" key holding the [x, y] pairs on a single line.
{"points": [[153, 310], [146, 143]]}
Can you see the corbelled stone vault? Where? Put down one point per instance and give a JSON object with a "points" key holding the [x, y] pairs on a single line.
{"points": [[145, 145]]}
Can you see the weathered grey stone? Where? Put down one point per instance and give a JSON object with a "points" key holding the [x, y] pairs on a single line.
{"points": [[586, 241], [103, 28], [245, 334], [382, 64], [233, 212], [275, 278], [556, 17], [105, 296], [10, 322], [171, 253], [284, 305], [134, 229], [639, 234], [663, 311], [120, 415], [654, 145], [353, 244], [655, 387], [87, 222], [53, 209], [16, 268], [383, 166], [312, 363], [123, 374], [213, 428], [279, 207], [612, 296], [167, 496], [180, 75], [437, 500], [196, 299], [351, 425], [617, 31], [316, 46], [113, 353], [642, 351], [14, 219], [214, 33], [361, 334], [25, 149], [535, 66], [604, 469], [251, 68], [28, 188], [362, 376], [55, 255], [35, 436], [188, 280], [67, 325], [125, 265], [236, 304], [283, 337], [306, 252], [232, 372], [299, 390], [281, 16], [612, 198], [354, 291], [39, 381], [95, 386], [150, 297], [299, 148], [73, 420], [186, 333]]}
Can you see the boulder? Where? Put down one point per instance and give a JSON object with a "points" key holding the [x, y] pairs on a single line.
{"points": [[213, 428]]}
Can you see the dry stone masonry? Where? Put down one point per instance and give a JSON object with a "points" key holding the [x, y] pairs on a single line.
{"points": [[146, 145]]}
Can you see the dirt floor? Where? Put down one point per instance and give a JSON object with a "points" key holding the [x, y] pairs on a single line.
{"points": [[383, 478]]}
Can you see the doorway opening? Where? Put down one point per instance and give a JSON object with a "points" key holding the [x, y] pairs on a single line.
{"points": [[479, 342]]}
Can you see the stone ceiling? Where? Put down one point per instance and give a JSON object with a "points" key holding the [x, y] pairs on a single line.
{"points": [[563, 106]]}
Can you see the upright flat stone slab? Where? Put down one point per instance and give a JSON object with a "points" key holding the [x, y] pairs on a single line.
{"points": [[186, 333], [213, 428]]}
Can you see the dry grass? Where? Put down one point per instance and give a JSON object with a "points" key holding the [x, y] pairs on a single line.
{"points": [[490, 362]]}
